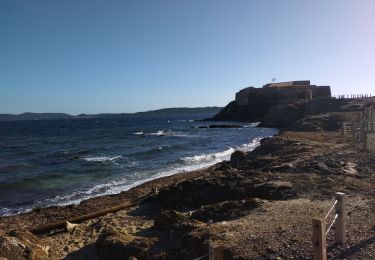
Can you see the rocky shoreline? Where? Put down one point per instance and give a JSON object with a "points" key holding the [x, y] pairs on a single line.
{"points": [[259, 205]]}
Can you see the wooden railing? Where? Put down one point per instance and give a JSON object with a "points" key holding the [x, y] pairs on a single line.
{"points": [[319, 228]]}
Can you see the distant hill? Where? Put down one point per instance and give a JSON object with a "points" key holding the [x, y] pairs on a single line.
{"points": [[33, 116], [181, 110], [164, 111]]}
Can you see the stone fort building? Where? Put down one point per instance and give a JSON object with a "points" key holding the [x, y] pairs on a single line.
{"points": [[282, 91]]}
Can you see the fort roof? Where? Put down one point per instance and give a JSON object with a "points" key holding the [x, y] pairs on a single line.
{"points": [[288, 84], [299, 89]]}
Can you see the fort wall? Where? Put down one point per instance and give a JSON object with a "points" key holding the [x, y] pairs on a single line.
{"points": [[282, 91]]}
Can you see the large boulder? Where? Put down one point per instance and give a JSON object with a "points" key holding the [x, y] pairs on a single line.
{"points": [[168, 219], [226, 210], [22, 245], [114, 244]]}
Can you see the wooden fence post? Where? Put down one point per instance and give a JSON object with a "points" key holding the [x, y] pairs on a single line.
{"points": [[353, 131], [343, 130], [319, 239], [215, 252], [364, 140], [340, 225]]}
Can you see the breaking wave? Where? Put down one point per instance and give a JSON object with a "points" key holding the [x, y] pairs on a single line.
{"points": [[209, 157], [224, 155], [101, 158], [116, 186], [161, 133]]}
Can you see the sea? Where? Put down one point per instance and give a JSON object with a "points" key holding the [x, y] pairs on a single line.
{"points": [[61, 162]]}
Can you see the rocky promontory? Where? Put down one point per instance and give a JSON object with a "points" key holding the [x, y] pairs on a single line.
{"points": [[283, 113]]}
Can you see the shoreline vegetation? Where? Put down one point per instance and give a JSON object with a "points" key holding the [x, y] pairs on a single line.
{"points": [[258, 205]]}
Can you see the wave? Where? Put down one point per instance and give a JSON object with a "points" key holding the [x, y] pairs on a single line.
{"points": [[116, 186], [112, 187], [101, 158], [208, 157], [167, 133], [161, 133], [224, 155], [156, 150], [255, 124], [252, 145], [185, 120]]}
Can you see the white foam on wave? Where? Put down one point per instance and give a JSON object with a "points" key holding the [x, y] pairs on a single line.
{"points": [[209, 157], [116, 186], [158, 133], [167, 133], [224, 155], [252, 145], [101, 158], [255, 124]]}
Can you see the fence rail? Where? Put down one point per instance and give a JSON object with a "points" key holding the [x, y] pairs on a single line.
{"points": [[354, 96], [357, 130], [319, 228]]}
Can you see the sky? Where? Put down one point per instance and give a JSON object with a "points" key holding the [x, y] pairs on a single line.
{"points": [[90, 56]]}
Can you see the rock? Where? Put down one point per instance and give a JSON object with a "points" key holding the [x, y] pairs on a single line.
{"points": [[349, 168], [224, 126], [323, 167], [274, 190], [113, 244], [226, 210], [70, 226], [22, 245], [237, 158], [168, 219]]}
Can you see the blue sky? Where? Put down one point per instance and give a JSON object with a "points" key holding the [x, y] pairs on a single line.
{"points": [[92, 56]]}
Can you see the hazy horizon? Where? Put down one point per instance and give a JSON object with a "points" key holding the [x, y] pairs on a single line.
{"points": [[150, 110], [129, 56]]}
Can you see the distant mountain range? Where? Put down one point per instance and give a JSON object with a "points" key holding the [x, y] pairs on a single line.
{"points": [[164, 111]]}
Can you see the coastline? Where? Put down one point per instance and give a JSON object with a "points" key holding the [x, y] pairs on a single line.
{"points": [[291, 176], [40, 216]]}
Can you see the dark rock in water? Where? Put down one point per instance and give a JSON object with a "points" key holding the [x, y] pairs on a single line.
{"points": [[167, 219], [220, 126], [22, 245]]}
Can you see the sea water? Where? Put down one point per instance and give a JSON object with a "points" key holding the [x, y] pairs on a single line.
{"points": [[60, 162]]}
